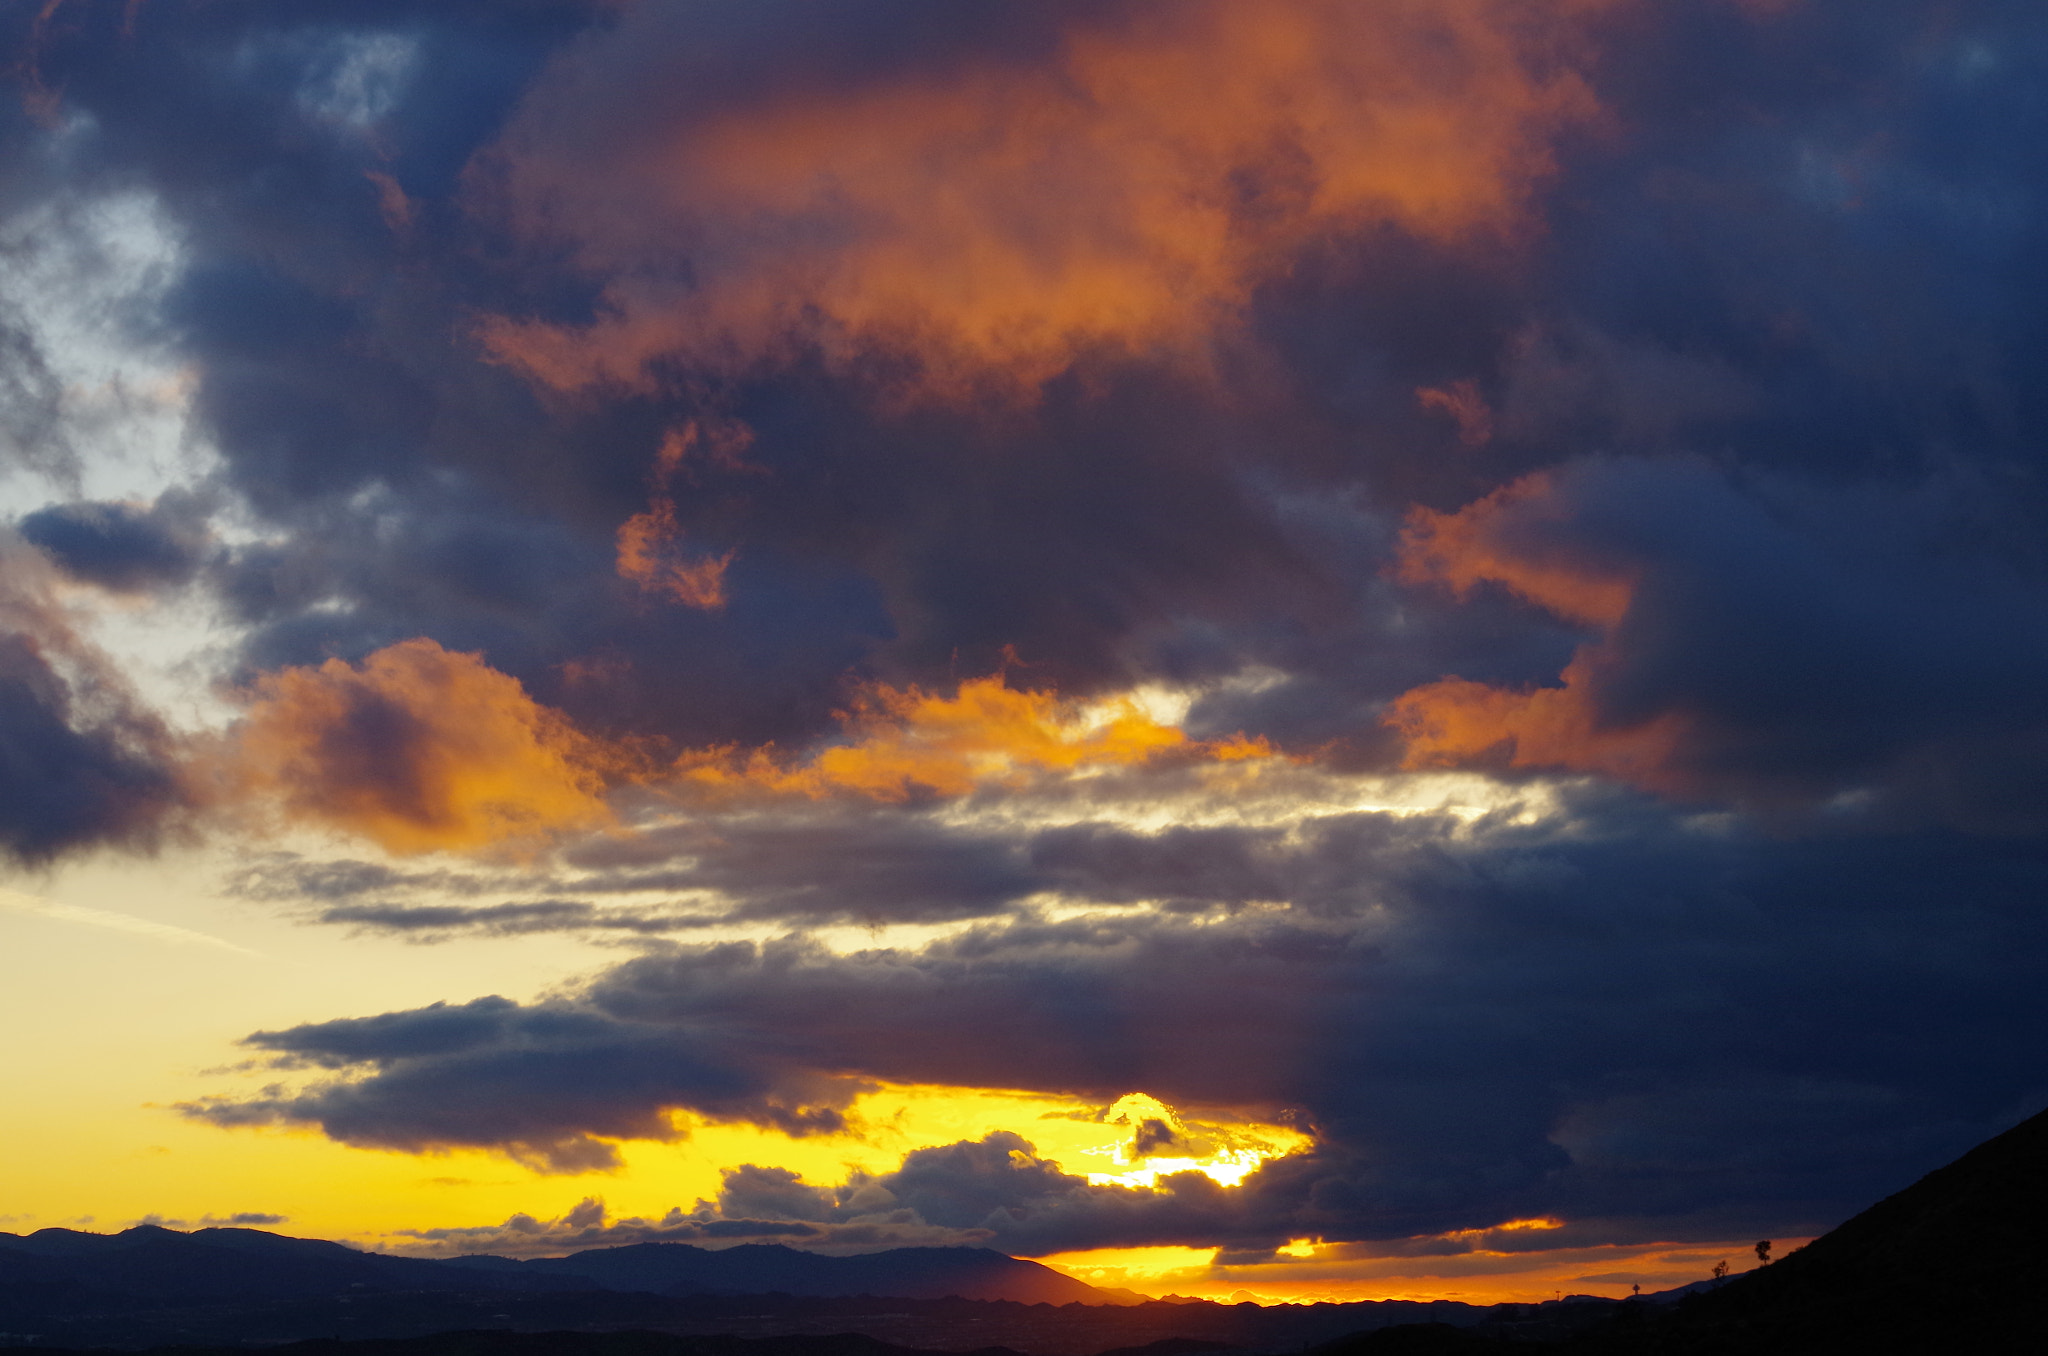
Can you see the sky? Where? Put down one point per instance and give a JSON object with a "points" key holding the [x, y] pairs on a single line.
{"points": [[1319, 649]]}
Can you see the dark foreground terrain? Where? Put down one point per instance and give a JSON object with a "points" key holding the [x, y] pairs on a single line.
{"points": [[1954, 1265], [152, 1287]]}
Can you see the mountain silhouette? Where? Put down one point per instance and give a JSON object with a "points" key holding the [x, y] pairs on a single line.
{"points": [[238, 1288], [1954, 1263], [157, 1264], [772, 1268], [152, 1284]]}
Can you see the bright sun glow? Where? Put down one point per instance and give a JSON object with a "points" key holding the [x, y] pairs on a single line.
{"points": [[1160, 1143]]}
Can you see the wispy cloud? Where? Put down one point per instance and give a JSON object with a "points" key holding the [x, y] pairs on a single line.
{"points": [[116, 922]]}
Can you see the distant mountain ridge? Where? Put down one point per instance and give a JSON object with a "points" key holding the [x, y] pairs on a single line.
{"points": [[230, 1264], [148, 1263], [234, 1289], [773, 1268]]}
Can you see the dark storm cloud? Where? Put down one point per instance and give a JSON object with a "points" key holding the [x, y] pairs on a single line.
{"points": [[1669, 1029], [832, 866], [124, 547], [309, 162], [1867, 295], [1779, 641], [81, 762], [72, 775], [624, 1087], [1721, 272], [309, 165], [863, 865]]}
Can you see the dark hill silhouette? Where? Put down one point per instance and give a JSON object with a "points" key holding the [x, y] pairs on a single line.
{"points": [[1954, 1265], [157, 1264], [147, 1263], [52, 1308], [489, 1343], [151, 1285]]}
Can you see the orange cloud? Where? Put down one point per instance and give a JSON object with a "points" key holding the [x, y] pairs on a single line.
{"points": [[1513, 537], [419, 749], [1503, 539], [647, 555], [903, 742], [1467, 407], [997, 220], [1455, 721]]}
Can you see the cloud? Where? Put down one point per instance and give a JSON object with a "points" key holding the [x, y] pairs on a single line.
{"points": [[901, 743], [648, 557], [417, 749], [116, 922], [1757, 642], [81, 761], [997, 219], [123, 547], [426, 922], [1656, 1030], [628, 1087], [821, 863], [590, 1225], [1687, 278], [1186, 835]]}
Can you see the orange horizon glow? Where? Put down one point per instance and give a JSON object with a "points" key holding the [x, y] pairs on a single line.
{"points": [[1308, 1272]]}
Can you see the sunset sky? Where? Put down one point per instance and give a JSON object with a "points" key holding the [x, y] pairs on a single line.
{"points": [[1321, 648]]}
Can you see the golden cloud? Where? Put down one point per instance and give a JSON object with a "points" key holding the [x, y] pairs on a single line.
{"points": [[899, 743], [418, 749], [996, 220]]}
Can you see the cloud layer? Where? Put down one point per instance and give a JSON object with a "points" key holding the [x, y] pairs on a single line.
{"points": [[1535, 1021]]}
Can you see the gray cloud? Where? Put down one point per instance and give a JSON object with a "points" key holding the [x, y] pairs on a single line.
{"points": [[82, 762], [124, 547], [1662, 1024], [427, 922]]}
